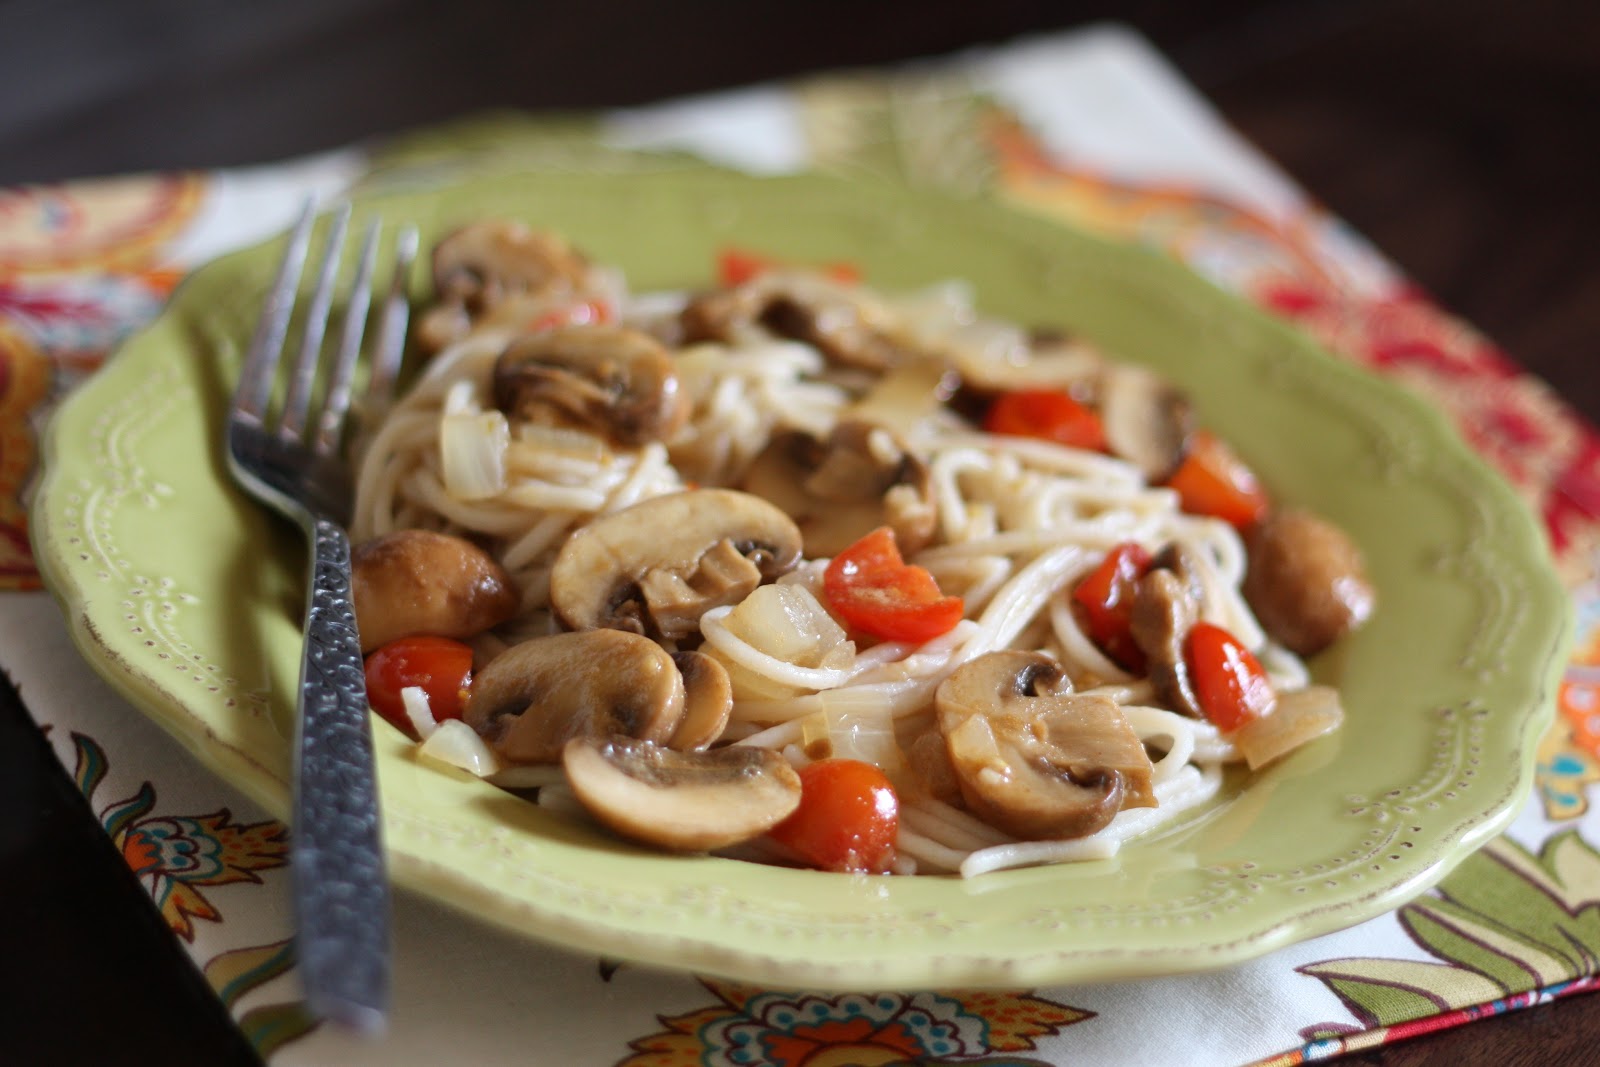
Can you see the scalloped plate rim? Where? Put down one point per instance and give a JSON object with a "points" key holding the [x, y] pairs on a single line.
{"points": [[1066, 964]]}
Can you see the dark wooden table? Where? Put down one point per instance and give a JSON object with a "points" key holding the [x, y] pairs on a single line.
{"points": [[1458, 135]]}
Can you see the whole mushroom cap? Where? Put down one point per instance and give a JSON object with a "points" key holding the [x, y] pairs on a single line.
{"points": [[1306, 581], [423, 582], [536, 696]]}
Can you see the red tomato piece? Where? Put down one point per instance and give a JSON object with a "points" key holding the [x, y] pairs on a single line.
{"points": [[876, 592], [1229, 681], [847, 820], [1213, 480], [1106, 597], [1049, 415], [583, 313], [441, 666], [735, 266]]}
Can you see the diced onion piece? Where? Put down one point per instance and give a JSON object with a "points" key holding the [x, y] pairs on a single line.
{"points": [[1302, 715], [934, 312], [458, 745], [861, 727], [414, 699], [816, 737], [788, 623], [472, 453]]}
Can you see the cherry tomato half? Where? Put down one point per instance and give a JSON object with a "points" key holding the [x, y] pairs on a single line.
{"points": [[1106, 597], [1229, 681], [1049, 415], [441, 666], [873, 590], [1213, 480], [847, 820]]}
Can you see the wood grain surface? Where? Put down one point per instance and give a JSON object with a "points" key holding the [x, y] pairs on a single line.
{"points": [[1458, 135]]}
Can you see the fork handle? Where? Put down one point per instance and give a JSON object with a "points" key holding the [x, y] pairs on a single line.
{"points": [[340, 888]]}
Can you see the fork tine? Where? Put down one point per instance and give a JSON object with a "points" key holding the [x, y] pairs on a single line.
{"points": [[297, 403], [266, 344], [386, 354], [337, 402]]}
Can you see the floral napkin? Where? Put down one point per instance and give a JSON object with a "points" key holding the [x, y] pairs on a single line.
{"points": [[1091, 128]]}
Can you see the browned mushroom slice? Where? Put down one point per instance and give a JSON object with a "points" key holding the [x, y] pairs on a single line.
{"points": [[482, 264], [1166, 605], [1306, 581], [1147, 420], [421, 582], [707, 701], [839, 490], [685, 801], [612, 380], [536, 696], [994, 358], [840, 320], [929, 760], [659, 565], [1034, 758]]}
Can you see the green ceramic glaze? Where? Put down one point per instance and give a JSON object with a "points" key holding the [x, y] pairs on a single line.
{"points": [[186, 595]]}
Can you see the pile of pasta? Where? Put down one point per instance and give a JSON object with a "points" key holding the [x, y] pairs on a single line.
{"points": [[797, 571]]}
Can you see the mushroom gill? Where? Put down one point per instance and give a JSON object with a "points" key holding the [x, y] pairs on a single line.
{"points": [[841, 489], [1034, 758], [656, 567], [611, 380]]}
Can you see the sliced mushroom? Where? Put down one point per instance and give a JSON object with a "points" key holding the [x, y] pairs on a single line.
{"points": [[536, 696], [612, 380], [659, 565], [839, 490], [840, 320], [1147, 420], [685, 801], [1166, 605], [707, 701], [1306, 581], [421, 582], [482, 264], [994, 357], [929, 760], [1034, 758]]}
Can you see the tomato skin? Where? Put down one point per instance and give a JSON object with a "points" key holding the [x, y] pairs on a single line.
{"points": [[847, 820], [1229, 681], [441, 666], [1106, 597], [1213, 480], [1047, 414], [583, 313], [736, 266], [873, 590]]}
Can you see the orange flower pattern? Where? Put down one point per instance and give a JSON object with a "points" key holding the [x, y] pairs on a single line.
{"points": [[755, 1028]]}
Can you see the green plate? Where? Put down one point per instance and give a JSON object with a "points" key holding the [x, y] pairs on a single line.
{"points": [[186, 595]]}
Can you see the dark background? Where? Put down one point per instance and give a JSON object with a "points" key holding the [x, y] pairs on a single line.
{"points": [[1459, 135]]}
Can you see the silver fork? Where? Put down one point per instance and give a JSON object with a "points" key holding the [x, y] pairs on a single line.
{"points": [[294, 464]]}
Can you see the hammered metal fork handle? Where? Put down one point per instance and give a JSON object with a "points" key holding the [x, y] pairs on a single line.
{"points": [[341, 888]]}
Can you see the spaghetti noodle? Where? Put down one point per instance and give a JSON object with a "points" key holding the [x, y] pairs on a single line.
{"points": [[1011, 524]]}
